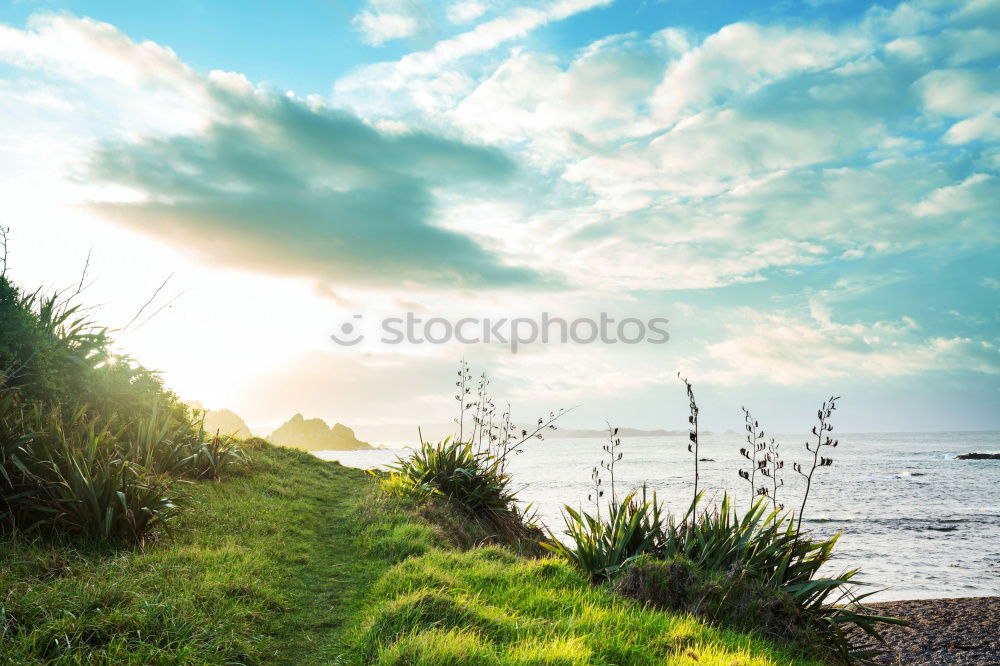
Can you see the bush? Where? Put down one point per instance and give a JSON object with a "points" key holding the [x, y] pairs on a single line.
{"points": [[728, 598], [755, 567], [602, 548], [213, 457], [67, 473], [473, 482], [90, 444], [49, 347]]}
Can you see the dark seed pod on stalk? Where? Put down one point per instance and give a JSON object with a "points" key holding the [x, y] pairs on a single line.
{"points": [[823, 414], [755, 447], [693, 436]]}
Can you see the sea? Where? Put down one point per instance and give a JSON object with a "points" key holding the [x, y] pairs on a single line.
{"points": [[919, 523]]}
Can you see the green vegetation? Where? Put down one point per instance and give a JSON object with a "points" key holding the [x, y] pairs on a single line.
{"points": [[256, 568], [473, 482], [489, 606], [91, 445], [604, 547], [301, 561], [128, 535], [753, 571]]}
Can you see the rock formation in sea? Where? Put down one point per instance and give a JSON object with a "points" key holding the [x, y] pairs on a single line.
{"points": [[223, 421], [316, 435], [978, 456], [226, 422]]}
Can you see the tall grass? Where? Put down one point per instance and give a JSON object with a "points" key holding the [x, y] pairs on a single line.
{"points": [[604, 548], [474, 482], [91, 445]]}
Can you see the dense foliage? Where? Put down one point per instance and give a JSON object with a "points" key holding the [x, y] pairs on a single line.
{"points": [[91, 444], [472, 481], [753, 570]]}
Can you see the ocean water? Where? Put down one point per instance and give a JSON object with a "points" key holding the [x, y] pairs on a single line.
{"points": [[918, 523]]}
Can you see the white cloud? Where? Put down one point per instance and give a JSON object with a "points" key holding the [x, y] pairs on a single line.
{"points": [[381, 21], [530, 97], [466, 11], [486, 36], [960, 92], [952, 46], [985, 126], [743, 57], [963, 198], [106, 77], [791, 350], [425, 80], [84, 49]]}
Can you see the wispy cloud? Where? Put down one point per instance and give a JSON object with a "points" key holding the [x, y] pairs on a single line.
{"points": [[786, 348], [427, 79]]}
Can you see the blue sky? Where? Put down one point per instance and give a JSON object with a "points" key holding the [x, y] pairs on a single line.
{"points": [[807, 190]]}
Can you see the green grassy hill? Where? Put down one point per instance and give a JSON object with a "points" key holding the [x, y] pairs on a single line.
{"points": [[295, 561]]}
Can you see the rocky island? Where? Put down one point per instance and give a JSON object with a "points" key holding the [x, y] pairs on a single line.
{"points": [[316, 435]]}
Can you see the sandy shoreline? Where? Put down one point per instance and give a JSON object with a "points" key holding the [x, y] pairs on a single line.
{"points": [[943, 631]]}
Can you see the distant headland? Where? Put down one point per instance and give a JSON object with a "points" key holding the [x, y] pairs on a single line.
{"points": [[298, 432], [316, 435]]}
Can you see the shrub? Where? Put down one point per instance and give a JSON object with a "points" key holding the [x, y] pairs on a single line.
{"points": [[90, 443], [602, 548], [49, 346], [68, 474], [213, 457], [762, 550], [471, 481], [728, 598]]}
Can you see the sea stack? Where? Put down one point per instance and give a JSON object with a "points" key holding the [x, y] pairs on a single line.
{"points": [[316, 435]]}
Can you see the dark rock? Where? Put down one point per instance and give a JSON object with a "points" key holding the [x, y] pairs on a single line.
{"points": [[978, 456]]}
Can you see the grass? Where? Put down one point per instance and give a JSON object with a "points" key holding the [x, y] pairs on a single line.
{"points": [[489, 606], [296, 562], [260, 569]]}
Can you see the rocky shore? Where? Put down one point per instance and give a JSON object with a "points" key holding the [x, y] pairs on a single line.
{"points": [[943, 631]]}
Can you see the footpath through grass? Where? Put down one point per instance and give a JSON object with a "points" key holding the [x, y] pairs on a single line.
{"points": [[294, 563], [262, 568]]}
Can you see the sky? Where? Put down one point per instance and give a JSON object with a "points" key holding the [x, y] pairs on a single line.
{"points": [[806, 191]]}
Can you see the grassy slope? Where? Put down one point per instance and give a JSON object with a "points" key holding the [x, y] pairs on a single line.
{"points": [[258, 568], [284, 565]]}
